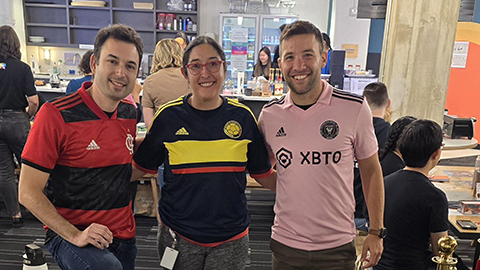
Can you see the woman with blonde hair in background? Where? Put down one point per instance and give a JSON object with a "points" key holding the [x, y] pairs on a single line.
{"points": [[166, 81]]}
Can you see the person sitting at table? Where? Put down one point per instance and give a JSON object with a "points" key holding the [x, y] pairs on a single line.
{"points": [[389, 156], [416, 212], [84, 67]]}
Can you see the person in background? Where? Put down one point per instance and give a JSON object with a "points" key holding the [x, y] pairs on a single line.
{"points": [[390, 157], [182, 39], [17, 91], [80, 153], [207, 143], [378, 101], [264, 64], [276, 55], [84, 67], [416, 212], [328, 48], [377, 98], [166, 81], [315, 132]]}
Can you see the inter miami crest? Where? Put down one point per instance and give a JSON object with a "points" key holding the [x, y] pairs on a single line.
{"points": [[329, 129]]}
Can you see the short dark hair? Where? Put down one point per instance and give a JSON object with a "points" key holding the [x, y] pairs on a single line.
{"points": [[9, 43], [376, 94], [199, 41], [84, 65], [419, 141], [118, 32], [301, 28], [326, 38]]}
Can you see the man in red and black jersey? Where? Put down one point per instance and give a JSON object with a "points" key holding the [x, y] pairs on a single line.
{"points": [[80, 151]]}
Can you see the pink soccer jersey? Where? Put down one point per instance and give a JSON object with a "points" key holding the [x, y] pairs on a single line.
{"points": [[314, 151]]}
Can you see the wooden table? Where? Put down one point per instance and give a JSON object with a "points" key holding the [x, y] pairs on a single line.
{"points": [[456, 144], [467, 234], [458, 181]]}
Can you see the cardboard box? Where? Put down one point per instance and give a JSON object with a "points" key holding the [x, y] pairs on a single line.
{"points": [[469, 207]]}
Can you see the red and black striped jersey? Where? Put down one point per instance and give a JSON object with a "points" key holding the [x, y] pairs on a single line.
{"points": [[88, 156]]}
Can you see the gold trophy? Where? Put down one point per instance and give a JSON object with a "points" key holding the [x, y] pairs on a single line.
{"points": [[446, 247]]}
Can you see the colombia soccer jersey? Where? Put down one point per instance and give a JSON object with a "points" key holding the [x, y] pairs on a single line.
{"points": [[206, 160]]}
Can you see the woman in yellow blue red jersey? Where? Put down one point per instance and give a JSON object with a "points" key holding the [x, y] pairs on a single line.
{"points": [[207, 143]]}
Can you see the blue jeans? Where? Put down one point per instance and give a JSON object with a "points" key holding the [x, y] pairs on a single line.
{"points": [[14, 128], [361, 224], [120, 255]]}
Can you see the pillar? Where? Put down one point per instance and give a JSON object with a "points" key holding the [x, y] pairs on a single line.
{"points": [[417, 54]]}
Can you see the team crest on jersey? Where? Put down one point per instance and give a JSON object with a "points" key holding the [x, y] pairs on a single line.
{"points": [[232, 129], [3, 65], [129, 143], [329, 129]]}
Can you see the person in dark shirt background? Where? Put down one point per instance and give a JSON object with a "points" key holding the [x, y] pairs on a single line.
{"points": [[377, 98], [416, 212], [390, 157], [84, 67], [17, 91]]}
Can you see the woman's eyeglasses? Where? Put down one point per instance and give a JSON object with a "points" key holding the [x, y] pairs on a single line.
{"points": [[196, 68]]}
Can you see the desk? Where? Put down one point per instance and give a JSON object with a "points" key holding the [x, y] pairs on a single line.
{"points": [[466, 234], [460, 185], [455, 144]]}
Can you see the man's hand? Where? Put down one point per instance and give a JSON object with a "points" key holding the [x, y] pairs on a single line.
{"points": [[374, 244], [96, 234]]}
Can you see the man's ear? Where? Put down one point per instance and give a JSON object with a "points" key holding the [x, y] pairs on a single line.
{"points": [[324, 55], [436, 155], [389, 103], [93, 64]]}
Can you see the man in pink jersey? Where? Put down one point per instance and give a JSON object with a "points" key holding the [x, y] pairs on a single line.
{"points": [[314, 133]]}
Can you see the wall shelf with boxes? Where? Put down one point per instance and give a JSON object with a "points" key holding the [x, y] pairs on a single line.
{"points": [[70, 23]]}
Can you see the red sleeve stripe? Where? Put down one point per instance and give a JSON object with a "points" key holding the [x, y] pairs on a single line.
{"points": [[263, 175], [208, 170], [143, 169]]}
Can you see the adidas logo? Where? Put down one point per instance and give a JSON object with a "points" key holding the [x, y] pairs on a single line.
{"points": [[93, 146], [182, 131], [281, 133]]}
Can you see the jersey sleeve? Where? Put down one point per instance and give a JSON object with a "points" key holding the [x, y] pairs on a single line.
{"points": [[151, 152], [258, 164], [45, 140], [365, 142]]}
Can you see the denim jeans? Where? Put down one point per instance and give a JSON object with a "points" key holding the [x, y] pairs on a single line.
{"points": [[120, 255], [14, 128]]}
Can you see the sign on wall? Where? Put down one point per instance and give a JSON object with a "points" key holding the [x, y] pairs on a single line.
{"points": [[460, 53], [351, 50]]}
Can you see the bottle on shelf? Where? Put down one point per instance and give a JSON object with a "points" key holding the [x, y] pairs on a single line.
{"points": [[60, 67], [180, 23], [33, 65], [161, 21], [55, 68], [189, 24], [194, 5], [175, 24]]}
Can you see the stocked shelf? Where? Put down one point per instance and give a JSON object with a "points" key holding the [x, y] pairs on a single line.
{"points": [[69, 26]]}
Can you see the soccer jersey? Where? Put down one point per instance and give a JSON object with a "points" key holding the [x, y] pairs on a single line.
{"points": [[88, 156], [314, 151], [203, 198]]}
